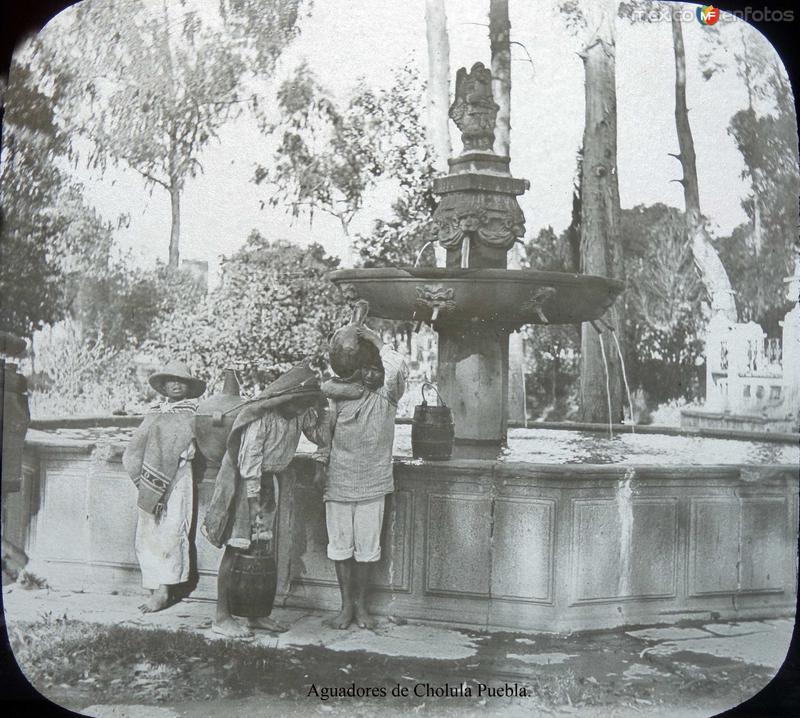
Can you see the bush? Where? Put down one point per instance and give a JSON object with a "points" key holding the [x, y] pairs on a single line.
{"points": [[273, 308], [79, 376]]}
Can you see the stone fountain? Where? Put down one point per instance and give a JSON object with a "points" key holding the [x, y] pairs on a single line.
{"points": [[581, 540], [475, 302]]}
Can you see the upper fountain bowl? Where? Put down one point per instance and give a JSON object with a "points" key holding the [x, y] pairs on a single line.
{"points": [[509, 298]]}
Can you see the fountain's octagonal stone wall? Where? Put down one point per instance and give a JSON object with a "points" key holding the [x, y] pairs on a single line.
{"points": [[484, 543]]}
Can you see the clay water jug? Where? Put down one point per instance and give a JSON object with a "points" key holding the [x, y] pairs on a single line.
{"points": [[432, 429], [214, 418], [254, 579], [347, 352]]}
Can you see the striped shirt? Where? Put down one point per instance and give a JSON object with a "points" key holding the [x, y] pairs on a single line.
{"points": [[360, 466]]}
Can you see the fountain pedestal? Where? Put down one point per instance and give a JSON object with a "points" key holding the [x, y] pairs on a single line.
{"points": [[476, 302], [473, 374]]}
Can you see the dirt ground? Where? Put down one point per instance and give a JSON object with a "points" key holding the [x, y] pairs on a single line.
{"points": [[94, 653], [78, 665]]}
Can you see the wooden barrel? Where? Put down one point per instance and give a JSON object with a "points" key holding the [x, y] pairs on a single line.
{"points": [[254, 578], [432, 430]]}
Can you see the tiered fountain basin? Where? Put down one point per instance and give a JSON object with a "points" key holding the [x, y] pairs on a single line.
{"points": [[597, 532], [504, 298], [473, 312]]}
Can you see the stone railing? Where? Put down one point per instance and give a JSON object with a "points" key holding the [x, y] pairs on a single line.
{"points": [[748, 374]]}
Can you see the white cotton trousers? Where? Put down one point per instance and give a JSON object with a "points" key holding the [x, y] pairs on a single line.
{"points": [[162, 545], [354, 529]]}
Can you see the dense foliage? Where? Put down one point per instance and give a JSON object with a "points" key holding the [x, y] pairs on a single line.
{"points": [[663, 304], [332, 154], [47, 230], [273, 308]]}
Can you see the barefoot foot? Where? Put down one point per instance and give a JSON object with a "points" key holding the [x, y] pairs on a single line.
{"points": [[158, 600], [267, 624], [232, 629], [341, 620], [363, 619]]}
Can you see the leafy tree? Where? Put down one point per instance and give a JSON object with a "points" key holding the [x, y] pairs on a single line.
{"points": [[409, 160], [150, 84], [328, 156], [662, 307], [663, 304], [47, 231], [121, 306], [661, 286], [552, 352], [273, 308], [761, 253]]}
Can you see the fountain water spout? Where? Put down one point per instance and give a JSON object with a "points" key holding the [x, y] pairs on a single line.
{"points": [[424, 247], [611, 329], [608, 384], [625, 380]]}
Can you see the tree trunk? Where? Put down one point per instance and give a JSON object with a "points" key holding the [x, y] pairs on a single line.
{"points": [[601, 250], [438, 93], [175, 230], [438, 82], [500, 43], [709, 265]]}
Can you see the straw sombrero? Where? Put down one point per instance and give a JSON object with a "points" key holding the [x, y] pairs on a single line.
{"points": [[180, 371]]}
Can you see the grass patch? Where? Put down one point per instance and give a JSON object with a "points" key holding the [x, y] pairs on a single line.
{"points": [[112, 662]]}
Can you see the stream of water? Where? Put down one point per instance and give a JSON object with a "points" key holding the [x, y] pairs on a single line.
{"points": [[625, 381], [608, 387]]}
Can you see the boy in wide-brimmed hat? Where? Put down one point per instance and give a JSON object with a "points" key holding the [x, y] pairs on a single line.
{"points": [[159, 460], [262, 443]]}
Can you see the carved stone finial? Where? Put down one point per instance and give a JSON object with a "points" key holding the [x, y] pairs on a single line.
{"points": [[474, 110]]}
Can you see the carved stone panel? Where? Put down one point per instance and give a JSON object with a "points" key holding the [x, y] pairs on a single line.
{"points": [[713, 545], [112, 507], [393, 571], [63, 527], [623, 552], [523, 541], [457, 545], [309, 538], [491, 221], [764, 544]]}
